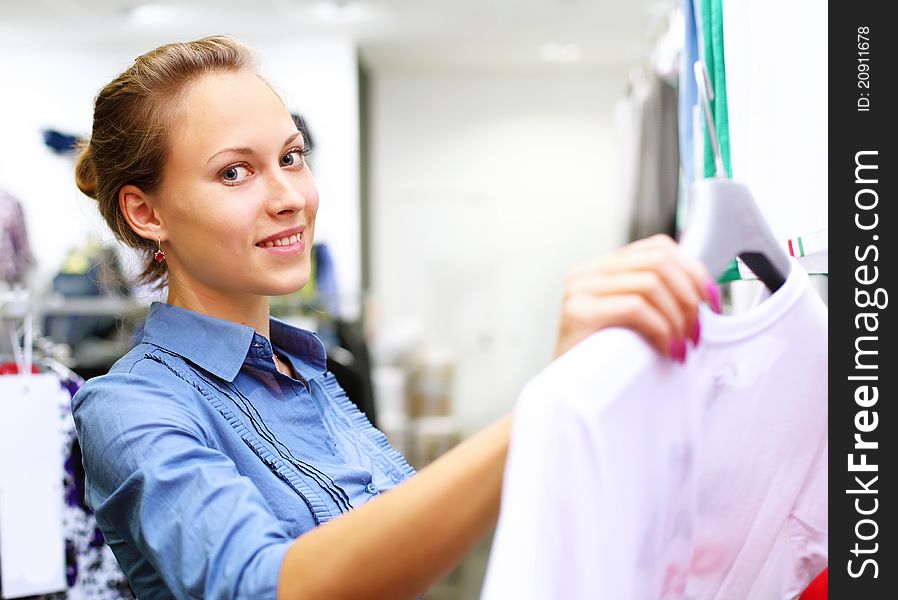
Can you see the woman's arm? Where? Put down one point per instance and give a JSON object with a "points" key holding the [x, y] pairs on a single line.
{"points": [[401, 543]]}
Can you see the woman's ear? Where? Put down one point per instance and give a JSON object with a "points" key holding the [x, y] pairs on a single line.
{"points": [[141, 212]]}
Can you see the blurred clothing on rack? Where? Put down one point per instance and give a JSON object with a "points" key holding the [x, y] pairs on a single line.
{"points": [[350, 362], [646, 124], [90, 569], [94, 318], [15, 252]]}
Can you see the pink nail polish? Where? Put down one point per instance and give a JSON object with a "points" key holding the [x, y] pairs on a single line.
{"points": [[714, 294], [696, 333], [674, 349], [678, 350]]}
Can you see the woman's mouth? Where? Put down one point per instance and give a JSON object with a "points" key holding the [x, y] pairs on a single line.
{"points": [[289, 245]]}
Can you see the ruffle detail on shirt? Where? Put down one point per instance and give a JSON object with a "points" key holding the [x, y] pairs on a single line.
{"points": [[317, 506], [391, 462], [319, 509]]}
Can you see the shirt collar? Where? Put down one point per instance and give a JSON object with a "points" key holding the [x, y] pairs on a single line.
{"points": [[306, 349], [221, 347]]}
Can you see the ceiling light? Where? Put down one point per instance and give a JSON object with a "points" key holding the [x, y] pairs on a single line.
{"points": [[144, 15], [340, 10]]}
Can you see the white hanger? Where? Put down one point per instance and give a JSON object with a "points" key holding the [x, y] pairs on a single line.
{"points": [[724, 221]]}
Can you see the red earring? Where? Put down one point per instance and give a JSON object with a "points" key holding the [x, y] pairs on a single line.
{"points": [[159, 256]]}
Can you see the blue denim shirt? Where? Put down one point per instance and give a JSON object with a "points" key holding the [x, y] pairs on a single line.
{"points": [[203, 462]]}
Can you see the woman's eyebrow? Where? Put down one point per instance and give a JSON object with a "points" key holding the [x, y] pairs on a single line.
{"points": [[297, 134], [244, 150]]}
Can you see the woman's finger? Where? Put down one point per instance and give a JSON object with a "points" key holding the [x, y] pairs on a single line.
{"points": [[701, 280], [661, 255], [651, 285], [585, 314]]}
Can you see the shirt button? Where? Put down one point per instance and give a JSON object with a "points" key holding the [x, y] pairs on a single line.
{"points": [[372, 489]]}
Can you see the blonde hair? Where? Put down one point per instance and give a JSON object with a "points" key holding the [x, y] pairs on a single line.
{"points": [[132, 116]]}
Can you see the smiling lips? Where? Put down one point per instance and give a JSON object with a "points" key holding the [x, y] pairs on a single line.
{"points": [[288, 242], [284, 241]]}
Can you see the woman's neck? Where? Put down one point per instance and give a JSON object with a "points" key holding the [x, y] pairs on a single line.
{"points": [[249, 310]]}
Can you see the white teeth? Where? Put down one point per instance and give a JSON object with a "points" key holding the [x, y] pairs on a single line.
{"points": [[287, 241]]}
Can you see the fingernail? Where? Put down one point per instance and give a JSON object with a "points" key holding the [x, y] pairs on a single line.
{"points": [[714, 295], [683, 353], [675, 349], [696, 332]]}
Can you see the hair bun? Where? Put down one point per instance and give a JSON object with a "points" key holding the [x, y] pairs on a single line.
{"points": [[85, 174]]}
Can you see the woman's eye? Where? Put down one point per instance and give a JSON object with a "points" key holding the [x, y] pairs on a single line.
{"points": [[292, 158], [234, 174]]}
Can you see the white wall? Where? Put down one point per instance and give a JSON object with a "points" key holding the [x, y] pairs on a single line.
{"points": [[49, 89], [486, 189], [55, 87]]}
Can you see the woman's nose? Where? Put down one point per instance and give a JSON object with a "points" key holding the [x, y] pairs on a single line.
{"points": [[285, 195]]}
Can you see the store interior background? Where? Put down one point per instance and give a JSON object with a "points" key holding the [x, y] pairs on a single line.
{"points": [[465, 153]]}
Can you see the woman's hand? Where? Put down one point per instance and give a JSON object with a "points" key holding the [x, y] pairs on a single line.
{"points": [[649, 286]]}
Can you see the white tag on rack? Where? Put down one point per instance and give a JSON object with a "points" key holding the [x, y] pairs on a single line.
{"points": [[32, 541]]}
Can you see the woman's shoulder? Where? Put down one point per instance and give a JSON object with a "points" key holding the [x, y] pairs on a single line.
{"points": [[146, 373]]}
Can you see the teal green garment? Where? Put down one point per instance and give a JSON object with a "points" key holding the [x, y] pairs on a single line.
{"points": [[712, 34], [731, 274]]}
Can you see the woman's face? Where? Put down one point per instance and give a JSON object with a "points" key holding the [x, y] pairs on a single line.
{"points": [[237, 199]]}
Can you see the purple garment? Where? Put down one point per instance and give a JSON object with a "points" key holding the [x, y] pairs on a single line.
{"points": [[91, 569], [15, 252]]}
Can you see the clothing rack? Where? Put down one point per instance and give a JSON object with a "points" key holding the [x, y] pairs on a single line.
{"points": [[28, 346], [57, 552], [15, 305]]}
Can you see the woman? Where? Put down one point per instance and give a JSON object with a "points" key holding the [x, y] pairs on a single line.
{"points": [[221, 459]]}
